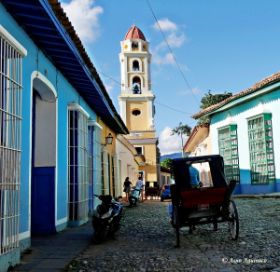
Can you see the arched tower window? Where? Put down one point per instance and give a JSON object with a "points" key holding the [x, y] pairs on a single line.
{"points": [[135, 65], [136, 85], [134, 45]]}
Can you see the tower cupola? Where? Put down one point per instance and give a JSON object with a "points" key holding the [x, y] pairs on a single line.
{"points": [[135, 63], [136, 94], [134, 33]]}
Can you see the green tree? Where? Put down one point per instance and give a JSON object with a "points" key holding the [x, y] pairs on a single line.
{"points": [[182, 130], [166, 163], [210, 99]]}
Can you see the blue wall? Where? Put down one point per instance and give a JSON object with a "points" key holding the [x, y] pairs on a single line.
{"points": [[66, 94]]}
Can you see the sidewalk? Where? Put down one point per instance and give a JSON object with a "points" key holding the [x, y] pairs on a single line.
{"points": [[51, 253]]}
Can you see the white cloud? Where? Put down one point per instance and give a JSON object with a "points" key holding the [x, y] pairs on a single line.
{"points": [[196, 90], [189, 92], [169, 143], [165, 25], [84, 16], [175, 39], [166, 59]]}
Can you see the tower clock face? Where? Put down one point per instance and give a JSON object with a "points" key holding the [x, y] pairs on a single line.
{"points": [[125, 47]]}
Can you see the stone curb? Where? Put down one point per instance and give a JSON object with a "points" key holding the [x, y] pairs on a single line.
{"points": [[276, 195]]}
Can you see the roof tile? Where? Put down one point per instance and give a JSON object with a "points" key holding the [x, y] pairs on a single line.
{"points": [[259, 85]]}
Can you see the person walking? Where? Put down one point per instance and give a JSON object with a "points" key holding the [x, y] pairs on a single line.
{"points": [[126, 188], [140, 185]]}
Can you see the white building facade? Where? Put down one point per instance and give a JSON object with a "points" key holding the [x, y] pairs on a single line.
{"points": [[127, 163], [244, 129]]}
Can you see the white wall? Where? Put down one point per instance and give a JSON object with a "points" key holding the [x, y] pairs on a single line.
{"points": [[266, 104], [127, 167]]}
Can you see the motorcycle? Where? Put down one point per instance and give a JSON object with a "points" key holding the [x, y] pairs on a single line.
{"points": [[106, 218], [134, 196]]}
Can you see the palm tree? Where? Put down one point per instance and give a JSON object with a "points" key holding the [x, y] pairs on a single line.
{"points": [[182, 130]]}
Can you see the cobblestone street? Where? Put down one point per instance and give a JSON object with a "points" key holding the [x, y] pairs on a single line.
{"points": [[146, 242]]}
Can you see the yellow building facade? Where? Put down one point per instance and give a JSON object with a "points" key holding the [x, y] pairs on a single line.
{"points": [[137, 101], [108, 160]]}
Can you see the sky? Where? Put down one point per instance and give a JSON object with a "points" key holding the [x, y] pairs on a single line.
{"points": [[201, 45]]}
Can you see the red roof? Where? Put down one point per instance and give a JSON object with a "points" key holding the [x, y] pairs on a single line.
{"points": [[134, 33], [259, 85]]}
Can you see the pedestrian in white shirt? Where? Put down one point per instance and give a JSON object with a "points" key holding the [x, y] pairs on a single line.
{"points": [[140, 185]]}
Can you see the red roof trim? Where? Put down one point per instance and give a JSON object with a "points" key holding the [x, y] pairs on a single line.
{"points": [[259, 85]]}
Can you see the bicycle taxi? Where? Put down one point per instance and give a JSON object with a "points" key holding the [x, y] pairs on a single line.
{"points": [[208, 203]]}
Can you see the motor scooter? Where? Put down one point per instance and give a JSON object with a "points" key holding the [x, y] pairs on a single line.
{"points": [[134, 196], [106, 218]]}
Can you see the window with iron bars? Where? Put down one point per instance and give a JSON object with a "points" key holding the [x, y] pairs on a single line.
{"points": [[261, 149], [228, 148], [97, 166], [10, 139], [78, 166], [90, 166], [114, 176], [105, 164]]}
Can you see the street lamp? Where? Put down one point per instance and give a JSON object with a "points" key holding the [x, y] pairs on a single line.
{"points": [[109, 139]]}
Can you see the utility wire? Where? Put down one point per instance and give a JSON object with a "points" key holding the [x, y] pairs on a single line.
{"points": [[113, 79], [166, 106], [160, 104], [171, 51]]}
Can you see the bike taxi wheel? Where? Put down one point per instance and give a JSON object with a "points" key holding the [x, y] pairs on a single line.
{"points": [[215, 224], [176, 223], [233, 221]]}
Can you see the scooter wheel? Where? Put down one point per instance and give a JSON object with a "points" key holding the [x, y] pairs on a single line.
{"points": [[99, 236]]}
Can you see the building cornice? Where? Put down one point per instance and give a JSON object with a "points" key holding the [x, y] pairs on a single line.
{"points": [[137, 97], [144, 141], [126, 143], [198, 134]]}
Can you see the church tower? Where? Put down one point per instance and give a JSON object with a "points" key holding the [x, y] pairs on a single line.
{"points": [[137, 101]]}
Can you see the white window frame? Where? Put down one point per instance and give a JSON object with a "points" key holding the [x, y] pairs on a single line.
{"points": [[142, 147], [78, 165], [97, 166], [105, 189], [11, 52]]}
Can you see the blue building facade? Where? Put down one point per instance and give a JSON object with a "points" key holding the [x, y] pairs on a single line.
{"points": [[244, 129], [50, 99]]}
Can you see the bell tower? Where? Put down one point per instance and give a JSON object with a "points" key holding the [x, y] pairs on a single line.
{"points": [[137, 100]]}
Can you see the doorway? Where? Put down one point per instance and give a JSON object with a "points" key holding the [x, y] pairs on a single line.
{"points": [[43, 169]]}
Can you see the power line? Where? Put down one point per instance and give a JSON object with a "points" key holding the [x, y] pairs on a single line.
{"points": [[161, 104], [113, 79], [166, 106], [171, 51]]}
